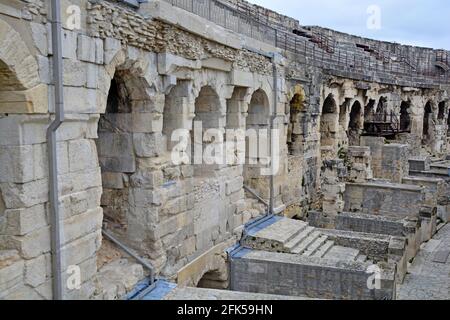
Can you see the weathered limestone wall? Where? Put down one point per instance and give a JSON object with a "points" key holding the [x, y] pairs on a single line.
{"points": [[384, 198], [258, 271], [129, 83]]}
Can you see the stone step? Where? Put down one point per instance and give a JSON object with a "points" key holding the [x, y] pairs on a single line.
{"points": [[342, 254], [315, 246], [324, 249], [274, 234], [303, 246], [299, 238]]}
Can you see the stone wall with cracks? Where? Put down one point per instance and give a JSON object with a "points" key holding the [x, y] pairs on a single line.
{"points": [[131, 80]]}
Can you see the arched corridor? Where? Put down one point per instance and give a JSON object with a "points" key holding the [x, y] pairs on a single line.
{"points": [[427, 123], [257, 143], [355, 124], [207, 151], [329, 122], [405, 118]]}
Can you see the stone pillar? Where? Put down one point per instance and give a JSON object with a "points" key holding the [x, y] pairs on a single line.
{"points": [[333, 186], [359, 164]]}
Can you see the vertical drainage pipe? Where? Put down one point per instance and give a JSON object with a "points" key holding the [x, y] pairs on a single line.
{"points": [[52, 151], [272, 124]]}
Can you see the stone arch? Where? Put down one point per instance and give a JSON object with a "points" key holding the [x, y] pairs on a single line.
{"points": [[343, 111], [129, 136], [297, 128], [20, 88], [382, 109], [3, 221], [235, 126], [355, 124], [427, 122], [215, 278], [448, 123], [442, 111], [369, 109], [257, 142], [405, 117], [206, 149], [178, 112], [329, 122], [18, 67]]}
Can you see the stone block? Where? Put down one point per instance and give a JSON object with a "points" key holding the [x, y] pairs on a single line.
{"points": [[82, 155], [11, 270], [25, 195], [86, 48], [112, 180], [148, 145], [69, 45], [111, 48], [20, 222], [420, 164], [37, 270]]}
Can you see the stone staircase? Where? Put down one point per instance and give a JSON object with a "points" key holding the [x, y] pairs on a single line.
{"points": [[297, 237]]}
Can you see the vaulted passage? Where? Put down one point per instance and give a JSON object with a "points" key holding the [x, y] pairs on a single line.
{"points": [[369, 109], [296, 127], [448, 125], [8, 81], [355, 124], [3, 222], [329, 122], [382, 112], [116, 155], [441, 111], [405, 118], [126, 142], [427, 123], [207, 136], [257, 143]]}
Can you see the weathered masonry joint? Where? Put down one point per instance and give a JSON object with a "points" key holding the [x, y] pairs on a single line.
{"points": [[361, 147]]}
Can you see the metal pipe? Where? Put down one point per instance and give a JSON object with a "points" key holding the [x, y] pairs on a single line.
{"points": [[149, 267], [272, 124], [51, 149], [253, 193]]}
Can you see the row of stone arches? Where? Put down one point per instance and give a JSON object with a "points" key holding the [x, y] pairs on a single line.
{"points": [[134, 147], [350, 118]]}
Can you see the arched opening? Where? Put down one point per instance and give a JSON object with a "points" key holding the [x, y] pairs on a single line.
{"points": [[8, 80], [441, 112], [343, 115], [207, 143], [328, 122], [405, 119], [3, 222], [235, 128], [296, 125], [355, 124], [116, 155], [448, 125], [369, 110], [257, 149], [214, 279], [427, 122], [126, 141], [382, 112]]}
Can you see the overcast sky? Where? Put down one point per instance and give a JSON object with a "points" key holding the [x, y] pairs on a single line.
{"points": [[417, 22]]}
